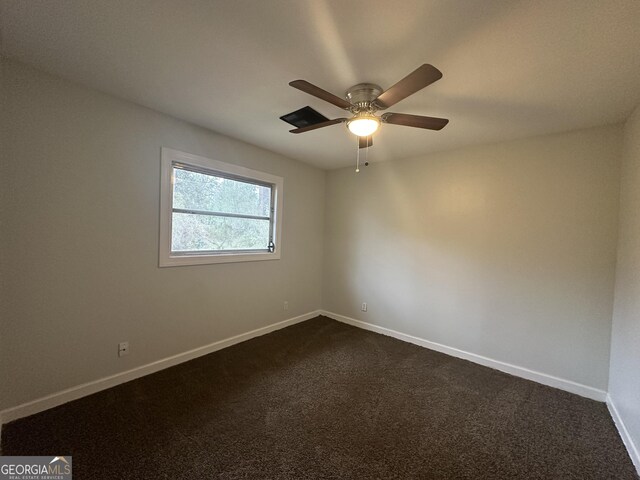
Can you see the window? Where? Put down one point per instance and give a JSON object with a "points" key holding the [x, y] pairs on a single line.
{"points": [[215, 212]]}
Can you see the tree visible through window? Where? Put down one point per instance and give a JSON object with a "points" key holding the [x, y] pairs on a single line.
{"points": [[211, 212], [216, 212]]}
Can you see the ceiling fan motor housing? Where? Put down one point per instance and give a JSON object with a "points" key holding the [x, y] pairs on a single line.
{"points": [[362, 95]]}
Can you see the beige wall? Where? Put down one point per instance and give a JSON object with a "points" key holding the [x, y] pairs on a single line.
{"points": [[79, 235], [624, 377], [506, 251]]}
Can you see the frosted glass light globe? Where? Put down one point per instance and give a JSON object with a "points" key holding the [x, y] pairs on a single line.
{"points": [[363, 126]]}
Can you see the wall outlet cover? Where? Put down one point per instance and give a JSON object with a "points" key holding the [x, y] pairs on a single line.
{"points": [[123, 349]]}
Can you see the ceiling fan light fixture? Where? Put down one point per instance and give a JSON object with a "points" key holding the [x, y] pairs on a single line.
{"points": [[365, 99], [363, 125]]}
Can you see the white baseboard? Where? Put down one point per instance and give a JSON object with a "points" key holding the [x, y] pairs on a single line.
{"points": [[634, 453], [94, 386], [543, 378]]}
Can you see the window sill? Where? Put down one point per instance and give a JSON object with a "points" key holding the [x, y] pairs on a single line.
{"points": [[182, 260]]}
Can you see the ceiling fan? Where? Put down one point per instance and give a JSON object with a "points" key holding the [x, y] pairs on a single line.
{"points": [[364, 100]]}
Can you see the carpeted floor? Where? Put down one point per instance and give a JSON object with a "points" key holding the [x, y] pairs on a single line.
{"points": [[325, 400]]}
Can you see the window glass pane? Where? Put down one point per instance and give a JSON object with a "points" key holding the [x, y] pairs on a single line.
{"points": [[199, 191], [192, 232]]}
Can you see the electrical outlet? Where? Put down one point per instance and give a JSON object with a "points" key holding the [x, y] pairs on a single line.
{"points": [[285, 306], [364, 307], [123, 349]]}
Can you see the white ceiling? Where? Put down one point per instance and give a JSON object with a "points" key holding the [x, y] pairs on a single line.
{"points": [[511, 68]]}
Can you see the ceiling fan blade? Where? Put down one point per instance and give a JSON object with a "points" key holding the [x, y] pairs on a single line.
{"points": [[418, 121], [311, 89], [365, 142], [318, 125], [418, 79]]}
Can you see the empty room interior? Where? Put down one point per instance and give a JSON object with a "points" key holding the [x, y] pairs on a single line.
{"points": [[337, 239]]}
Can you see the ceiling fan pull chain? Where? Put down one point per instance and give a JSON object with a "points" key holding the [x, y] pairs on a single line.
{"points": [[357, 154]]}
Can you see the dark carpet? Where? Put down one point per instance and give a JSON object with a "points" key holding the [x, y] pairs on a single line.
{"points": [[325, 400]]}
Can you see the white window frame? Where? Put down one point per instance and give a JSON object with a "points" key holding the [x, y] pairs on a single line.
{"points": [[169, 157]]}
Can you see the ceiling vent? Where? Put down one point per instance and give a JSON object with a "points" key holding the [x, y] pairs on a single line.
{"points": [[304, 117]]}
